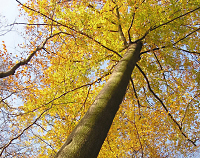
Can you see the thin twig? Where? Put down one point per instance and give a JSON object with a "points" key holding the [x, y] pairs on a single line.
{"points": [[91, 6], [138, 135], [44, 141], [139, 139], [133, 17], [83, 105]]}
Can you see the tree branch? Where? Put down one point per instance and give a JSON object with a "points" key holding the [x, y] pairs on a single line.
{"points": [[129, 29], [155, 27], [25, 61], [158, 48], [32, 24], [192, 52], [138, 136], [120, 28], [161, 69], [165, 108], [186, 36], [44, 141], [187, 107], [136, 96], [139, 139], [91, 6]]}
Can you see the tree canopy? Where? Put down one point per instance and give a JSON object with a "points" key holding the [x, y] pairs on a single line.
{"points": [[72, 48]]}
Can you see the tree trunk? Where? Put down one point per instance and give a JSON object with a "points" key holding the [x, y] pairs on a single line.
{"points": [[86, 139]]}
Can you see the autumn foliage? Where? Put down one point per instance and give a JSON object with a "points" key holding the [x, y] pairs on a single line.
{"points": [[72, 48]]}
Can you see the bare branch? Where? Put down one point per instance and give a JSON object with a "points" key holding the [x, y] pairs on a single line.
{"points": [[82, 105], [109, 144], [192, 52], [133, 17], [139, 138], [140, 39], [65, 93], [138, 135]]}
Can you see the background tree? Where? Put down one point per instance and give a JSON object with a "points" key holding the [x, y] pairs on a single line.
{"points": [[74, 47]]}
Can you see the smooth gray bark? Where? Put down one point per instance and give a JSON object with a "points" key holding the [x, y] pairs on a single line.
{"points": [[86, 139]]}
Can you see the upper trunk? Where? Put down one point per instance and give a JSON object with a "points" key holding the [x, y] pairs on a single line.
{"points": [[88, 136]]}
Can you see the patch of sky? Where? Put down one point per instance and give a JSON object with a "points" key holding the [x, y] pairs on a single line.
{"points": [[104, 64]]}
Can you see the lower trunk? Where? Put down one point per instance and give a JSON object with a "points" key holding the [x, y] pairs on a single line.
{"points": [[86, 139]]}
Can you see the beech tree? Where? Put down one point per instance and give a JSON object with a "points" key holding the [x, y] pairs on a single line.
{"points": [[103, 78]]}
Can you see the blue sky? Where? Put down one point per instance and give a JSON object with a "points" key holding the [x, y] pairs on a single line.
{"points": [[9, 12], [9, 9]]}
